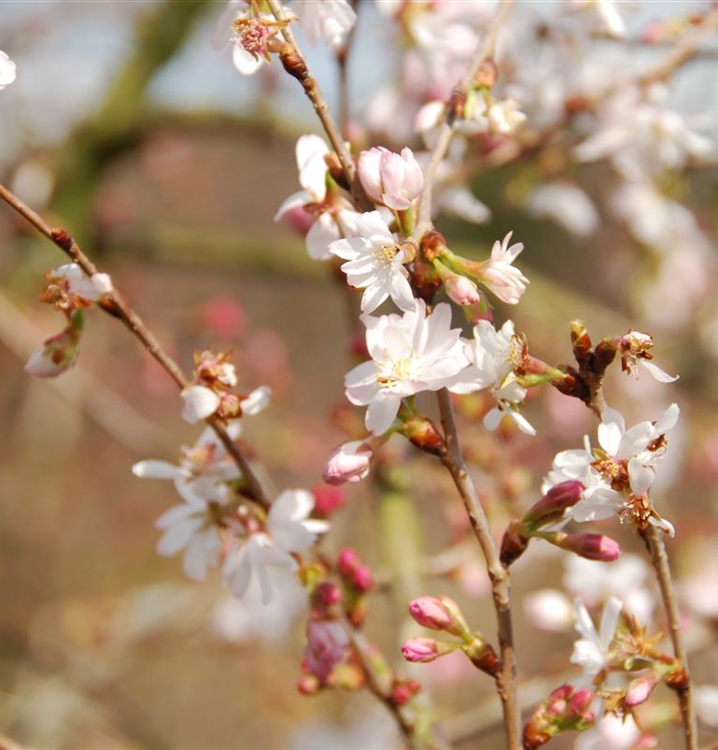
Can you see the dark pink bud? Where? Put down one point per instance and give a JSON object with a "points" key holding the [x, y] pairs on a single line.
{"points": [[442, 614], [640, 689], [348, 561], [328, 499], [362, 579], [326, 647], [424, 650], [551, 507], [326, 595]]}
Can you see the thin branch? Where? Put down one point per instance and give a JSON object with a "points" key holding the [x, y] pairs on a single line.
{"points": [[483, 52], [500, 579], [296, 65], [653, 537], [115, 305]]}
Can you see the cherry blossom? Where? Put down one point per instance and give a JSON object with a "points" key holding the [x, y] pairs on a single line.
{"points": [[591, 651], [8, 70], [77, 284], [330, 20], [641, 136], [202, 471], [375, 262], [619, 474], [566, 204], [251, 34], [288, 530], [492, 355], [326, 211], [393, 180], [348, 463], [200, 403], [192, 528], [498, 273], [410, 354]]}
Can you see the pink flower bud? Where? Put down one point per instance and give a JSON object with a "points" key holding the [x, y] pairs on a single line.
{"points": [[328, 499], [348, 561], [593, 546], [424, 650], [362, 579], [59, 353], [640, 689], [461, 290], [326, 647], [442, 614], [551, 507], [348, 463]]}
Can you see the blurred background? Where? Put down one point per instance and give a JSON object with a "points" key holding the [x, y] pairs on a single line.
{"points": [[127, 128]]}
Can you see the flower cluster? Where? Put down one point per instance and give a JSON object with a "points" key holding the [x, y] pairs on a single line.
{"points": [[617, 476]]}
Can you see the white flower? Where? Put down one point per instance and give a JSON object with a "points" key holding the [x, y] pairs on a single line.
{"points": [[549, 609], [706, 697], [641, 136], [310, 152], [634, 348], [374, 262], [248, 619], [200, 402], [202, 471], [500, 276], [8, 70], [566, 204], [591, 651], [492, 355], [410, 354], [610, 733], [628, 457], [288, 530], [626, 578], [256, 401], [505, 117], [192, 528], [79, 284], [330, 20]]}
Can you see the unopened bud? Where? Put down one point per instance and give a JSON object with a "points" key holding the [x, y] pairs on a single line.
{"points": [[590, 546], [422, 433], [404, 690], [424, 650], [551, 507], [348, 463], [461, 290], [439, 613], [482, 655], [640, 689], [59, 353], [581, 342], [328, 499]]}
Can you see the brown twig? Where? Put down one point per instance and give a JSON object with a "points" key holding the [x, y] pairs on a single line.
{"points": [[115, 305], [653, 538], [500, 578], [296, 65]]}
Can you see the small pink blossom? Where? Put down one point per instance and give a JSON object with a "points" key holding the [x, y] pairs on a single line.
{"points": [[348, 463], [391, 179]]}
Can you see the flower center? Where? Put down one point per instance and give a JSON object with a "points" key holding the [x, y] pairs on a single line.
{"points": [[252, 35], [385, 254]]}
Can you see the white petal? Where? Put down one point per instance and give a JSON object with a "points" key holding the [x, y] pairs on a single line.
{"points": [[653, 369], [156, 470], [199, 403], [611, 430], [245, 62], [257, 401]]}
